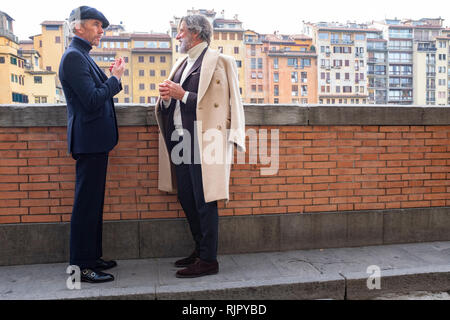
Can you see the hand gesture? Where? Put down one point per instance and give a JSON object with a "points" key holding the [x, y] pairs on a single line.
{"points": [[118, 67]]}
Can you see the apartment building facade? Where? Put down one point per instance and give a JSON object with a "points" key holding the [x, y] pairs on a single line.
{"points": [[342, 62], [22, 80]]}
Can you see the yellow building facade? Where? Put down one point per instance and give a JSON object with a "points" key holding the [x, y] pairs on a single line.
{"points": [[148, 58]]}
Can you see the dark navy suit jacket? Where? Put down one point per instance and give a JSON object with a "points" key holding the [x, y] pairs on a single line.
{"points": [[91, 117], [188, 110]]}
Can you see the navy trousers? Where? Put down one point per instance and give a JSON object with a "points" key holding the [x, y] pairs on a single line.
{"points": [[87, 215], [203, 218]]}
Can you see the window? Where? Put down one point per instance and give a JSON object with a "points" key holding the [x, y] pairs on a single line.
{"points": [[126, 73], [141, 86], [253, 88], [347, 89], [236, 50], [126, 89], [253, 63], [163, 73], [14, 61], [338, 76], [57, 39], [323, 36], [275, 63], [141, 73], [164, 45], [38, 79], [232, 36], [152, 86], [40, 99], [152, 73], [260, 63], [141, 59], [52, 27], [141, 99], [162, 59], [139, 44], [292, 62], [151, 59], [126, 59], [295, 90], [2, 59], [306, 63], [276, 91], [125, 45], [294, 77], [152, 44], [239, 63], [260, 88], [276, 77]]}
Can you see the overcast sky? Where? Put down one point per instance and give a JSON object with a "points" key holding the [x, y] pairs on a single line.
{"points": [[260, 16]]}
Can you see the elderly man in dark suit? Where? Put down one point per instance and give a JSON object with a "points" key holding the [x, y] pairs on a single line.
{"points": [[91, 134]]}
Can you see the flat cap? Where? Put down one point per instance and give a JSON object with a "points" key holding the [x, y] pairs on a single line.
{"points": [[85, 13]]}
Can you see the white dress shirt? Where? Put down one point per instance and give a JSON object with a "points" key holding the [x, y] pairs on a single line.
{"points": [[193, 54]]}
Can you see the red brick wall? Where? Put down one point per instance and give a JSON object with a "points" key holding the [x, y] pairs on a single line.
{"points": [[322, 168]]}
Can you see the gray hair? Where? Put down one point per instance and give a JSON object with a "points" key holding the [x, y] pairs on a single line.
{"points": [[198, 24], [73, 25]]}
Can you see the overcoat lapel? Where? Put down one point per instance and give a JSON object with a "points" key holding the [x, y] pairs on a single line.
{"points": [[208, 67]]}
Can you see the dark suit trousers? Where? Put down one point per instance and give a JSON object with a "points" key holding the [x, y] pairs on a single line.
{"points": [[87, 215], [203, 217]]}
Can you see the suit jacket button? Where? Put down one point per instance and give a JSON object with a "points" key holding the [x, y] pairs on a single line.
{"points": [[216, 105], [218, 81], [219, 128]]}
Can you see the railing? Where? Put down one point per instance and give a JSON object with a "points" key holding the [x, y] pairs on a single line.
{"points": [[340, 41], [9, 35]]}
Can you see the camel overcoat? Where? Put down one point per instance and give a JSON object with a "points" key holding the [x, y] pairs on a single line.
{"points": [[220, 126]]}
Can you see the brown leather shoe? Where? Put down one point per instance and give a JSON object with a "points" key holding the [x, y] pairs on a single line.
{"points": [[186, 262], [199, 269]]}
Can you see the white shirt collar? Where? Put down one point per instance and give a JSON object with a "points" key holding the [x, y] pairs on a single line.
{"points": [[195, 52]]}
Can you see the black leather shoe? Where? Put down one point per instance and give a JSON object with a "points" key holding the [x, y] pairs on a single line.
{"points": [[186, 262], [92, 276], [102, 265]]}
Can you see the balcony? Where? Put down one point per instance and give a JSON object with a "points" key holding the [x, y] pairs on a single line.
{"points": [[400, 48], [9, 35], [340, 41], [376, 61], [427, 49]]}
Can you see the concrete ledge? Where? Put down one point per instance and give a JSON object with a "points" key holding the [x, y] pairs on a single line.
{"points": [[338, 274], [49, 243], [431, 278], [271, 115]]}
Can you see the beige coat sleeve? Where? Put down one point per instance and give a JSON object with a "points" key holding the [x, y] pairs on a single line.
{"points": [[237, 115]]}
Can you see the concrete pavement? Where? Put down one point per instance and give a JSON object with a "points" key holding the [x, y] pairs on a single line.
{"points": [[340, 273]]}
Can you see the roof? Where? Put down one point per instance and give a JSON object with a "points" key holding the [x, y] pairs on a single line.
{"points": [[220, 20], [152, 36], [345, 29], [7, 15], [52, 23], [151, 50], [300, 37]]}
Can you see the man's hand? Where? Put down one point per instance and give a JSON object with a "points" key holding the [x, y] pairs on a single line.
{"points": [[118, 68], [169, 89]]}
